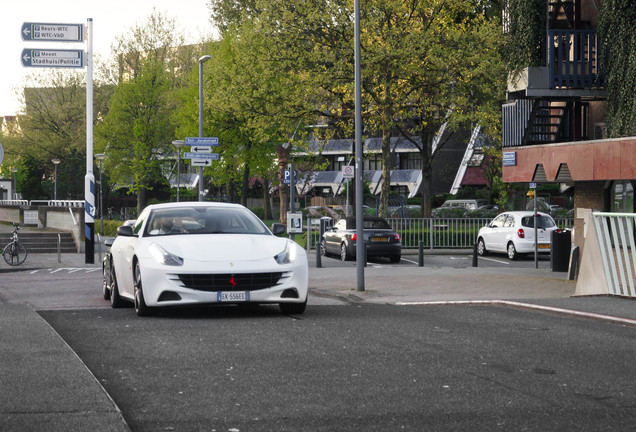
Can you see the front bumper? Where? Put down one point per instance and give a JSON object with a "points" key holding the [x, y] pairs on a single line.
{"points": [[164, 285]]}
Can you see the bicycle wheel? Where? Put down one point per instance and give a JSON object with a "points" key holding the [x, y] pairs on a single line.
{"points": [[14, 254]]}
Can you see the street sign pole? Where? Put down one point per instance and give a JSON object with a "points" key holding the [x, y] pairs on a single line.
{"points": [[89, 181]]}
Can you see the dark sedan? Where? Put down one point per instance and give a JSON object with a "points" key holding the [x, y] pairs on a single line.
{"points": [[379, 237]]}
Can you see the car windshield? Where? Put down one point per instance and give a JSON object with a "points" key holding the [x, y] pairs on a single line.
{"points": [[542, 222], [369, 224], [199, 220]]}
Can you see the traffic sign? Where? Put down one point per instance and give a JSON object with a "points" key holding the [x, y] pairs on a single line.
{"points": [[52, 32], [211, 141], [201, 149], [201, 162], [190, 155], [348, 171], [57, 58], [287, 177]]}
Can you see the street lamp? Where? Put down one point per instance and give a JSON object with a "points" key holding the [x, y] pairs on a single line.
{"points": [[201, 61], [15, 183], [100, 157], [56, 162], [178, 144]]}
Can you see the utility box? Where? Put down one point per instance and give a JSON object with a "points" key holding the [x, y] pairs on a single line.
{"points": [[560, 247]]}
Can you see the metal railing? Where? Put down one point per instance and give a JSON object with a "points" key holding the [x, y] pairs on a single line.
{"points": [[434, 233], [615, 233]]}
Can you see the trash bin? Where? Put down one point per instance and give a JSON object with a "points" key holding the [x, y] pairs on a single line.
{"points": [[561, 244]]}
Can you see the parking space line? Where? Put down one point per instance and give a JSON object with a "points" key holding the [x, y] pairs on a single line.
{"points": [[494, 260]]}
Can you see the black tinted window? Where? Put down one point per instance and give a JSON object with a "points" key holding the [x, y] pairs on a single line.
{"points": [[543, 222]]}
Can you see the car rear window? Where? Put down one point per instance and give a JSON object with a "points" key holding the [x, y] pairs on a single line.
{"points": [[542, 222]]}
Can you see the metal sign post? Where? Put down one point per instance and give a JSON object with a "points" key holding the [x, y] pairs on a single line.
{"points": [[89, 181], [533, 186]]}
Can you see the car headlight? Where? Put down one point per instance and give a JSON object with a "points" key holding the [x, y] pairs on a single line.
{"points": [[288, 255], [165, 257]]}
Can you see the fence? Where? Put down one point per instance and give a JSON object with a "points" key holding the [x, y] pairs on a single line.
{"points": [[435, 233], [615, 233]]}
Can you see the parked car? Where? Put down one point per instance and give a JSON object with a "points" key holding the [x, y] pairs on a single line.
{"points": [[188, 253], [513, 233], [455, 208], [380, 239]]}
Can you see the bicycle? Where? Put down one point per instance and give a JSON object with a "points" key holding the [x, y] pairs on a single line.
{"points": [[14, 253]]}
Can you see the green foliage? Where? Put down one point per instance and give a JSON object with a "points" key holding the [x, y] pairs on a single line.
{"points": [[524, 45], [618, 47]]}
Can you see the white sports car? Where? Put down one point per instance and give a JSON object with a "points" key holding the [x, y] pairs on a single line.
{"points": [[196, 253]]}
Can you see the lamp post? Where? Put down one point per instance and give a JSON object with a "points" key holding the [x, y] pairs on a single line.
{"points": [[178, 144], [56, 162], [15, 183], [100, 157], [201, 61]]}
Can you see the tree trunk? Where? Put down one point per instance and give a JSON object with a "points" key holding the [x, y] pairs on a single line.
{"points": [[245, 185], [267, 204], [141, 200]]}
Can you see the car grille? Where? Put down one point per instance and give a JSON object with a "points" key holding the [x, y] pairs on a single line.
{"points": [[231, 281]]}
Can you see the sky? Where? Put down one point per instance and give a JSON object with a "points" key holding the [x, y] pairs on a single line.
{"points": [[111, 18]]}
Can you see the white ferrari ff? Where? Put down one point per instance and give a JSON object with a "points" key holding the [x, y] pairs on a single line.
{"points": [[196, 253]]}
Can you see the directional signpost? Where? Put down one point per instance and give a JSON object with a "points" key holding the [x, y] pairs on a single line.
{"points": [[69, 58], [52, 32], [56, 58], [200, 150]]}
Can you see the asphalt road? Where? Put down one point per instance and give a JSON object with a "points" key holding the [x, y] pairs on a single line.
{"points": [[358, 367]]}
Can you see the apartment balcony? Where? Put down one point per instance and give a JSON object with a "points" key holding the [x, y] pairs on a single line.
{"points": [[573, 69]]}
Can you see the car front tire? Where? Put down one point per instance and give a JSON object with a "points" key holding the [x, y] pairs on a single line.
{"points": [[323, 247], [512, 251], [293, 308]]}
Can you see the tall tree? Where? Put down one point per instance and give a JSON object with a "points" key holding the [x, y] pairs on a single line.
{"points": [[137, 131], [424, 63]]}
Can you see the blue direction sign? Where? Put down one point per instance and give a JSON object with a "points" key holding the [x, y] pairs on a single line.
{"points": [[57, 58], [211, 141], [52, 32], [190, 155]]}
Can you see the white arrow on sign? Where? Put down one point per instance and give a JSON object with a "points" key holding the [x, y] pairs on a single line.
{"points": [[200, 162]]}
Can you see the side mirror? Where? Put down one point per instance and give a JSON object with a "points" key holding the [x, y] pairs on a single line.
{"points": [[109, 242], [125, 231], [278, 228]]}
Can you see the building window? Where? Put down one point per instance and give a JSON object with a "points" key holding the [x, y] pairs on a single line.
{"points": [[623, 197], [410, 161], [373, 162]]}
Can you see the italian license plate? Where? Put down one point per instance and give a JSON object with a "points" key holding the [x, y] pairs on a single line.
{"points": [[543, 246], [233, 296], [379, 239]]}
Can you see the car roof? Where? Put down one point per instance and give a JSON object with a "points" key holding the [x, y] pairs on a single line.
{"points": [[522, 213], [189, 204]]}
